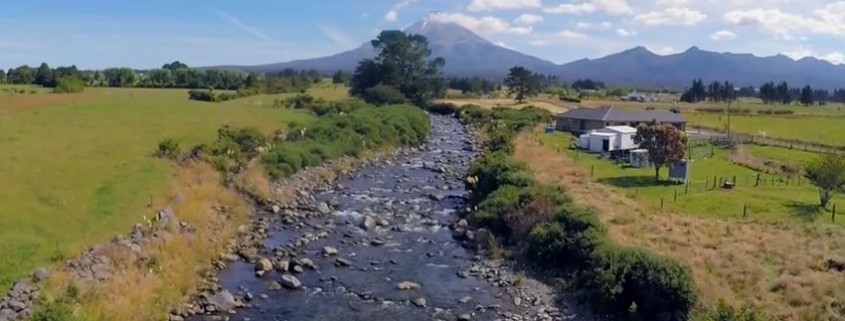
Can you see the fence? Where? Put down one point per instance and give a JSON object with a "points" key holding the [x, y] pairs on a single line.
{"points": [[739, 139]]}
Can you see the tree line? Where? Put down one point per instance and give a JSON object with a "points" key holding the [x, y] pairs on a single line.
{"points": [[769, 93], [170, 75]]}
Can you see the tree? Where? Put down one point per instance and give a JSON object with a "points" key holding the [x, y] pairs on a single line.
{"points": [[2, 76], [120, 77], [664, 143], [828, 174], [806, 96], [522, 83], [161, 78], [341, 77], [44, 75], [402, 63], [69, 85], [22, 75], [174, 66]]}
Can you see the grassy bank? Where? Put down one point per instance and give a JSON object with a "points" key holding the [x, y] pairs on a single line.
{"points": [[79, 168]]}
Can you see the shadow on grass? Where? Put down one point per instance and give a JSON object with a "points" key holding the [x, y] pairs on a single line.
{"points": [[636, 181], [809, 212]]}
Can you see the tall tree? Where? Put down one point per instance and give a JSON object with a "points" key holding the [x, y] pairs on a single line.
{"points": [[22, 75], [2, 76], [806, 96], [664, 143], [522, 83], [828, 174], [44, 75], [174, 66], [403, 62]]}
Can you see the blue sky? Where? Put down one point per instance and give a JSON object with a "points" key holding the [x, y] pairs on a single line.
{"points": [[144, 34]]}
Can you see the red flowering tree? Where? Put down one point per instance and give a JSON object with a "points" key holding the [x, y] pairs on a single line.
{"points": [[664, 143]]}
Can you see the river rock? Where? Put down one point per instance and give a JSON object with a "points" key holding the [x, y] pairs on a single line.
{"points": [[341, 262], [407, 285], [222, 301], [263, 265], [307, 263], [329, 251], [274, 286], [323, 208], [290, 282], [41, 274], [367, 222], [464, 317], [276, 209], [421, 302], [283, 266]]}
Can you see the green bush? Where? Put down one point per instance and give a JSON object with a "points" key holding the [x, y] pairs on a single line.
{"points": [[492, 211], [633, 280], [494, 170], [382, 94], [346, 133], [569, 241], [445, 109], [202, 95], [69, 85], [168, 148]]}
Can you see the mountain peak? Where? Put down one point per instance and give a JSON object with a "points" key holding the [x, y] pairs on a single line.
{"points": [[439, 29], [693, 49]]}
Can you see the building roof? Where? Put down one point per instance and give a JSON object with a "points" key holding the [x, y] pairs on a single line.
{"points": [[621, 129], [611, 113]]}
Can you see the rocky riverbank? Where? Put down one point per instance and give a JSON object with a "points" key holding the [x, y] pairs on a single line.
{"points": [[383, 240]]}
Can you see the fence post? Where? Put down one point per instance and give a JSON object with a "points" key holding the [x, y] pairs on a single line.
{"points": [[686, 188], [745, 211], [734, 181], [757, 183], [676, 195], [661, 203], [833, 214]]}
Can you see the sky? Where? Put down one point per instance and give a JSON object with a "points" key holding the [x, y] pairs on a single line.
{"points": [[149, 33]]}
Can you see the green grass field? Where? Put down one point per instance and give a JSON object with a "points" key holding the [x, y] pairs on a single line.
{"points": [[791, 156], [814, 129], [76, 173], [795, 200]]}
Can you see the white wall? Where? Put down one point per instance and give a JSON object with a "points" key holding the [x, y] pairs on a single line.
{"points": [[626, 141]]}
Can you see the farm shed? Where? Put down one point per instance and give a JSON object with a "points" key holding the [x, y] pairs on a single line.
{"points": [[608, 139]]}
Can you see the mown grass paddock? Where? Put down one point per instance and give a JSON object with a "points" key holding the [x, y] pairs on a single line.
{"points": [[78, 169]]}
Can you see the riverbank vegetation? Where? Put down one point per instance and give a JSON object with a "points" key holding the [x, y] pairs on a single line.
{"points": [[567, 239]]}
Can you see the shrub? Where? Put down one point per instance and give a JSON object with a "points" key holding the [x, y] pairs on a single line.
{"points": [[202, 95], [569, 241], [443, 109], [493, 210], [658, 288], [340, 134], [168, 148], [539, 208], [69, 85], [494, 170], [500, 140], [382, 94]]}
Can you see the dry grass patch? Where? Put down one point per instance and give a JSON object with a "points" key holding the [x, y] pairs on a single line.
{"points": [[776, 267], [742, 155], [172, 269]]}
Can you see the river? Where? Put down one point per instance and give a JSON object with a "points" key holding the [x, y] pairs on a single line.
{"points": [[389, 223]]}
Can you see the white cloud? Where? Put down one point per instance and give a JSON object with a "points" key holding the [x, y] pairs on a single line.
{"points": [[528, 19], [829, 20], [503, 45], [617, 7], [488, 5], [243, 26], [723, 35], [337, 36], [538, 43], [671, 17], [662, 50], [606, 25], [484, 25], [588, 26], [583, 25], [391, 16], [569, 34], [835, 57], [671, 3], [625, 33]]}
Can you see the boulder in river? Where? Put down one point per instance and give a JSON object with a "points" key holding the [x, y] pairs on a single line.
{"points": [[263, 266], [283, 266], [341, 262], [222, 301], [367, 222], [324, 208], [291, 282], [407, 285], [329, 251], [420, 302]]}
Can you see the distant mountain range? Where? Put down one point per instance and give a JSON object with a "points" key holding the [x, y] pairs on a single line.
{"points": [[468, 54]]}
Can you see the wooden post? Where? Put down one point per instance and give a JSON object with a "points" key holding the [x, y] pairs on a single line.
{"points": [[676, 195], [714, 182], [734, 181], [745, 211], [661, 203], [757, 183], [686, 188], [833, 214]]}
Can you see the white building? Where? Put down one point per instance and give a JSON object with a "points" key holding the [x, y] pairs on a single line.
{"points": [[609, 139]]}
